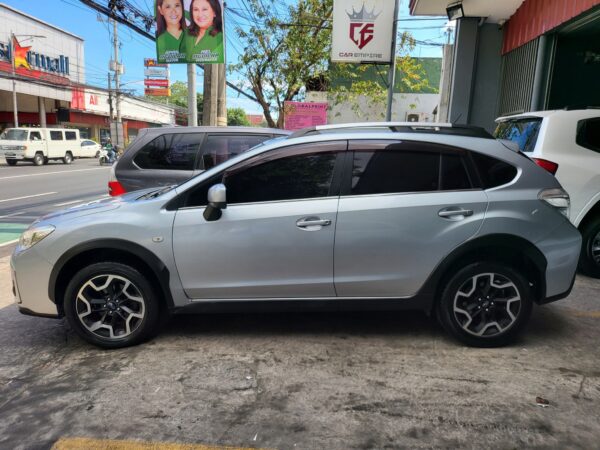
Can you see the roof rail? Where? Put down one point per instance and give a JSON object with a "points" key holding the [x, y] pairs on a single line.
{"points": [[398, 127], [574, 107]]}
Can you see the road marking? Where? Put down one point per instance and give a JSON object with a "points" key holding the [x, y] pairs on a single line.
{"points": [[9, 242], [103, 444], [27, 196], [13, 214], [68, 203], [50, 173]]}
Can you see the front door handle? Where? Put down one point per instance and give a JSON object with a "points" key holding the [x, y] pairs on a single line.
{"points": [[446, 213], [312, 222]]}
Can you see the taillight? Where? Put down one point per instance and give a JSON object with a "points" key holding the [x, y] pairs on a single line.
{"points": [[557, 198], [115, 188], [550, 166]]}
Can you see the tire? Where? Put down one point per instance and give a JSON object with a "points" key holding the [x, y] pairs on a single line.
{"points": [[68, 159], [38, 159], [114, 311], [589, 259], [485, 314], [102, 160], [97, 154], [11, 162]]}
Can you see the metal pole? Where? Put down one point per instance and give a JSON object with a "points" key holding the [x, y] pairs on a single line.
{"points": [[392, 72], [14, 81], [192, 97], [117, 84]]}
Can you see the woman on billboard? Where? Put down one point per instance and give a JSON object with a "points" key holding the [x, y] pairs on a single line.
{"points": [[203, 40], [170, 24]]}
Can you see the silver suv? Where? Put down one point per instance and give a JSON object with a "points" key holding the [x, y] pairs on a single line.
{"points": [[458, 226]]}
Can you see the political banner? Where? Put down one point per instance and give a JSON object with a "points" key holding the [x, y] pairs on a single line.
{"points": [[299, 115], [362, 31], [189, 31]]}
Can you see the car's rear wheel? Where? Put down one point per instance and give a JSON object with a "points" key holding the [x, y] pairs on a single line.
{"points": [[38, 159], [589, 260], [68, 159], [111, 305], [485, 304]]}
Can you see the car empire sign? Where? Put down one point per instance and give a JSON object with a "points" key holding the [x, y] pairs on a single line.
{"points": [[362, 31]]}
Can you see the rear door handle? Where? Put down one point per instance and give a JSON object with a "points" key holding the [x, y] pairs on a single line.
{"points": [[455, 212], [312, 222]]}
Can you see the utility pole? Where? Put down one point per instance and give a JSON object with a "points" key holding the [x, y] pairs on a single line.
{"points": [[110, 104], [117, 69], [14, 81], [392, 72], [192, 97], [221, 97]]}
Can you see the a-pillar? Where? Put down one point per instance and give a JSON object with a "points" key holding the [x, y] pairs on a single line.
{"points": [[42, 111]]}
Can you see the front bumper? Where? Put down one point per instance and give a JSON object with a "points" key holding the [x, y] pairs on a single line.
{"points": [[30, 275], [19, 155]]}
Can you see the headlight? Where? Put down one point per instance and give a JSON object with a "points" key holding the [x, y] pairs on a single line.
{"points": [[21, 147], [34, 235]]}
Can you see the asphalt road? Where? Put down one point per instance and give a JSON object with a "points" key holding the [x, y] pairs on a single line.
{"points": [[28, 192]]}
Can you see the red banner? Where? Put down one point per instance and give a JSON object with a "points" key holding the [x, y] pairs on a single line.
{"points": [[156, 82], [37, 74], [164, 92]]}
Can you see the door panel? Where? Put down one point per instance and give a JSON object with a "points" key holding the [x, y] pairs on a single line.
{"points": [[257, 250], [387, 245]]}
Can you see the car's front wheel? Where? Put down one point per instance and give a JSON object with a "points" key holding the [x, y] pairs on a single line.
{"points": [[485, 304], [111, 305], [589, 260]]}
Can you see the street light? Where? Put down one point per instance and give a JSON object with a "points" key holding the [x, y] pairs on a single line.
{"points": [[13, 41], [455, 11]]}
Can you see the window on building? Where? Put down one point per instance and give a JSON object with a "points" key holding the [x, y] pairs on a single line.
{"points": [[56, 135]]}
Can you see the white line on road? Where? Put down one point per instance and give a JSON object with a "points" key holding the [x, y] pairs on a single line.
{"points": [[69, 203], [27, 196], [9, 242], [50, 173], [13, 214]]}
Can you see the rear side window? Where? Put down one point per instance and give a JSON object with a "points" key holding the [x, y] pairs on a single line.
{"points": [[170, 152], [588, 133], [219, 148], [523, 132], [493, 172], [453, 173], [70, 135], [56, 136]]}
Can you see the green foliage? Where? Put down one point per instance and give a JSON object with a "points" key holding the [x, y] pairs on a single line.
{"points": [[179, 97], [282, 52], [237, 116]]}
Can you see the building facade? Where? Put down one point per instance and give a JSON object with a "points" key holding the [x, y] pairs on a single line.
{"points": [[50, 84]]}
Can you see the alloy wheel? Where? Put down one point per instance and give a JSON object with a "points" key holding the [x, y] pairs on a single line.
{"points": [[487, 304], [595, 249], [110, 306]]}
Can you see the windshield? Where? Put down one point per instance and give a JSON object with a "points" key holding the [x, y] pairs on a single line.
{"points": [[523, 132], [14, 135]]}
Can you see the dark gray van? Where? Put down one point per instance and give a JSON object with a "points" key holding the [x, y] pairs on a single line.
{"points": [[171, 155]]}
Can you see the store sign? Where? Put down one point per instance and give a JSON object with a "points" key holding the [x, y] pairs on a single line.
{"points": [[362, 31], [156, 72], [156, 82], [304, 114], [161, 92], [149, 62], [32, 64]]}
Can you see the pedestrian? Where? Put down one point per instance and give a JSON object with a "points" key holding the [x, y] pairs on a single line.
{"points": [[203, 40], [170, 24]]}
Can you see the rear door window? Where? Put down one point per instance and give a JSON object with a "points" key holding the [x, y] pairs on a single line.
{"points": [[524, 132], [56, 135], [175, 151], [492, 171], [70, 135], [219, 148], [588, 134]]}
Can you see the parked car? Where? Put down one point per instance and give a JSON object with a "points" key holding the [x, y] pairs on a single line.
{"points": [[461, 227], [39, 145], [567, 144], [171, 155], [89, 149]]}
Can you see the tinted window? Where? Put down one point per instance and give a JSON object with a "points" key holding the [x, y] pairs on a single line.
{"points": [[170, 152], [523, 132], [293, 177], [56, 136], [391, 171], [492, 171], [35, 136], [454, 175], [588, 133], [219, 148], [70, 135]]}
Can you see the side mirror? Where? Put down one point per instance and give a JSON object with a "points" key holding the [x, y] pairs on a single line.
{"points": [[217, 201]]}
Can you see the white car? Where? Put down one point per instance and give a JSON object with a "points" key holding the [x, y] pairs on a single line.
{"points": [[89, 149], [567, 144]]}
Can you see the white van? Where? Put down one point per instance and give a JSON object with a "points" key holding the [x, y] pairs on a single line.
{"points": [[39, 145]]}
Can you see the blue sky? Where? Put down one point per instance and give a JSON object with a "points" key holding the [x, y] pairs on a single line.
{"points": [[75, 17]]}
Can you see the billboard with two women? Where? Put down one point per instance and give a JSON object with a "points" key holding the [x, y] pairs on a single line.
{"points": [[189, 31]]}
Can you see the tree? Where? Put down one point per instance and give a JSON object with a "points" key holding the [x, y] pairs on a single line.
{"points": [[284, 52], [179, 97], [237, 116]]}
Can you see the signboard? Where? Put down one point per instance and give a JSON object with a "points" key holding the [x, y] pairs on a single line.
{"points": [[160, 92], [148, 82], [301, 114], [189, 31], [362, 31], [149, 62], [156, 72]]}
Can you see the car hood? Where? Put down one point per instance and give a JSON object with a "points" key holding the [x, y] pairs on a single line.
{"points": [[10, 143], [95, 206]]}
